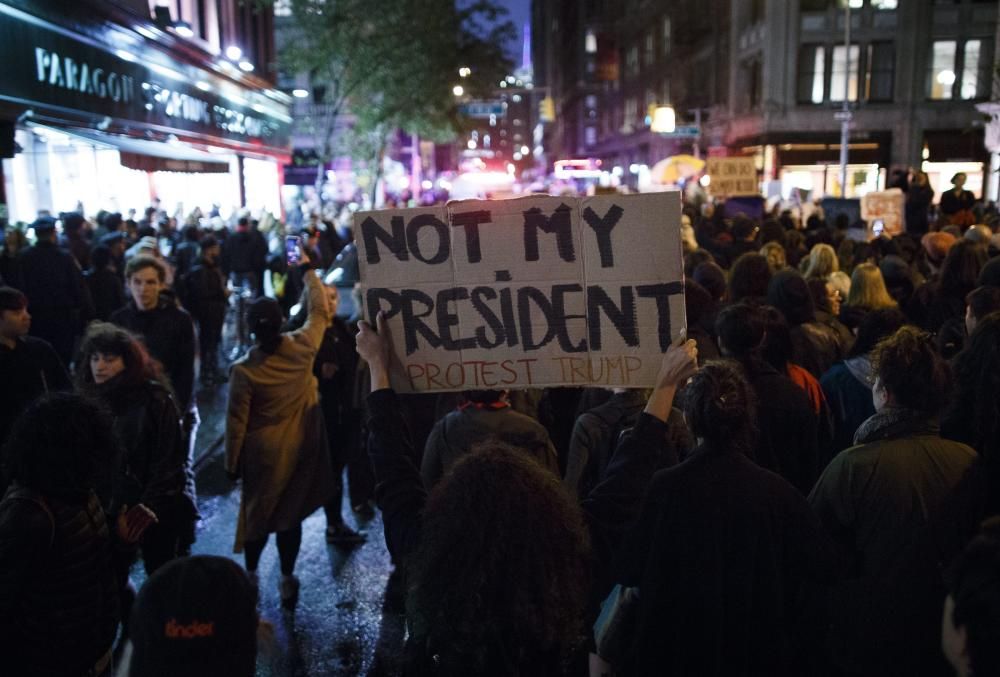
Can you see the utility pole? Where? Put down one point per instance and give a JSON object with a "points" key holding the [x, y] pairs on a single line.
{"points": [[845, 113]]}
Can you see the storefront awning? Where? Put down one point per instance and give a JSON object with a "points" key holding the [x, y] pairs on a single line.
{"points": [[154, 156]]}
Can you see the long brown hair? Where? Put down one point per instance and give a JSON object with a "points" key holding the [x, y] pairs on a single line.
{"points": [[109, 339]]}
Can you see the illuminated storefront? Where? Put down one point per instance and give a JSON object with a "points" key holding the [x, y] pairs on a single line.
{"points": [[110, 112]]}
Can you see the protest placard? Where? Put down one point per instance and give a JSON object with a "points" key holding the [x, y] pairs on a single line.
{"points": [[886, 206], [732, 176], [528, 292]]}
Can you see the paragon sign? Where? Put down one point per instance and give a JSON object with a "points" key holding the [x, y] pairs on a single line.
{"points": [[48, 67]]}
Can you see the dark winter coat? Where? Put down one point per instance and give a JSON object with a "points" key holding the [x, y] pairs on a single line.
{"points": [[168, 333], [454, 436], [596, 434], [153, 467], [244, 251], [58, 298], [608, 508], [57, 586], [30, 369], [718, 555], [877, 500], [203, 292], [788, 427], [918, 201], [186, 257], [107, 291]]}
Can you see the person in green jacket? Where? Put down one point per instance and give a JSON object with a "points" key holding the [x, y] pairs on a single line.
{"points": [[878, 499]]}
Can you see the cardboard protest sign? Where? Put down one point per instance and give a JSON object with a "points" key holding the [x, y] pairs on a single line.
{"points": [[886, 206], [528, 292], [732, 176]]}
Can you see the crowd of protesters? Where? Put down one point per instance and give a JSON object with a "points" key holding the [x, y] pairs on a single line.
{"points": [[811, 487]]}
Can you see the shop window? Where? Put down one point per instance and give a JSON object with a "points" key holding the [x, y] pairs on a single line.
{"points": [[812, 74], [976, 66], [942, 71], [880, 72], [844, 72]]}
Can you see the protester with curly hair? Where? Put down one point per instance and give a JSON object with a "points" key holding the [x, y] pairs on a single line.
{"points": [[721, 548], [153, 469], [499, 558], [877, 499]]}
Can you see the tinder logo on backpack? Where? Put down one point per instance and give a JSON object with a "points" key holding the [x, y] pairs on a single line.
{"points": [[192, 630]]}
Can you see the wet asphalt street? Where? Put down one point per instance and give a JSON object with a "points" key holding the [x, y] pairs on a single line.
{"points": [[341, 625]]}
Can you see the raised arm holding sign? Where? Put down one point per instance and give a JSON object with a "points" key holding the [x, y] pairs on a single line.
{"points": [[535, 291]]}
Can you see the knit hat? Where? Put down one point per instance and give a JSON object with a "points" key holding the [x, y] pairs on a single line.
{"points": [[197, 617], [937, 245]]}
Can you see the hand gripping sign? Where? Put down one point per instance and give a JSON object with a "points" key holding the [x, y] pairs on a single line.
{"points": [[529, 292]]}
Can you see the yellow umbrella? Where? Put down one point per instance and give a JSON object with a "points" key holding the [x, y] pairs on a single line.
{"points": [[675, 168]]}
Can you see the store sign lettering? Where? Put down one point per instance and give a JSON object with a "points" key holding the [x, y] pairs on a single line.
{"points": [[67, 73], [176, 104]]}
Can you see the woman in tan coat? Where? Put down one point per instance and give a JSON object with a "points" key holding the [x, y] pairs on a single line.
{"points": [[275, 437]]}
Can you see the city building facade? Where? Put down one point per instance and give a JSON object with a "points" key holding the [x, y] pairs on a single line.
{"points": [[113, 105], [768, 78]]}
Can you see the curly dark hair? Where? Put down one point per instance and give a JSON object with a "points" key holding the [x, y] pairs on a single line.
{"points": [[911, 370], [749, 277], [110, 339], [498, 583], [60, 446], [720, 407]]}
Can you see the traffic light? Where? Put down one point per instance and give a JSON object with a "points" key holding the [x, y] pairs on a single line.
{"points": [[547, 109]]}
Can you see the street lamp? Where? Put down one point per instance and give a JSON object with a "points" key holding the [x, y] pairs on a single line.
{"points": [[664, 120], [464, 72], [233, 53], [458, 90]]}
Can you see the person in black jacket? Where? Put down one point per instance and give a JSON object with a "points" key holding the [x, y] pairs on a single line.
{"points": [[104, 283], [29, 365], [244, 257], [166, 330], [153, 468], [57, 295], [510, 601], [57, 584], [205, 296], [787, 426], [720, 549]]}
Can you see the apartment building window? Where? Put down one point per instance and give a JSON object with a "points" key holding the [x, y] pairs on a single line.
{"points": [[590, 136], [813, 5], [885, 5], [880, 71], [757, 10], [632, 61], [844, 69], [812, 74], [590, 43], [977, 65], [666, 35], [649, 51], [942, 74], [665, 90]]}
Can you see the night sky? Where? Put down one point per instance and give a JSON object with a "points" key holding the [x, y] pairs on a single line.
{"points": [[520, 14]]}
